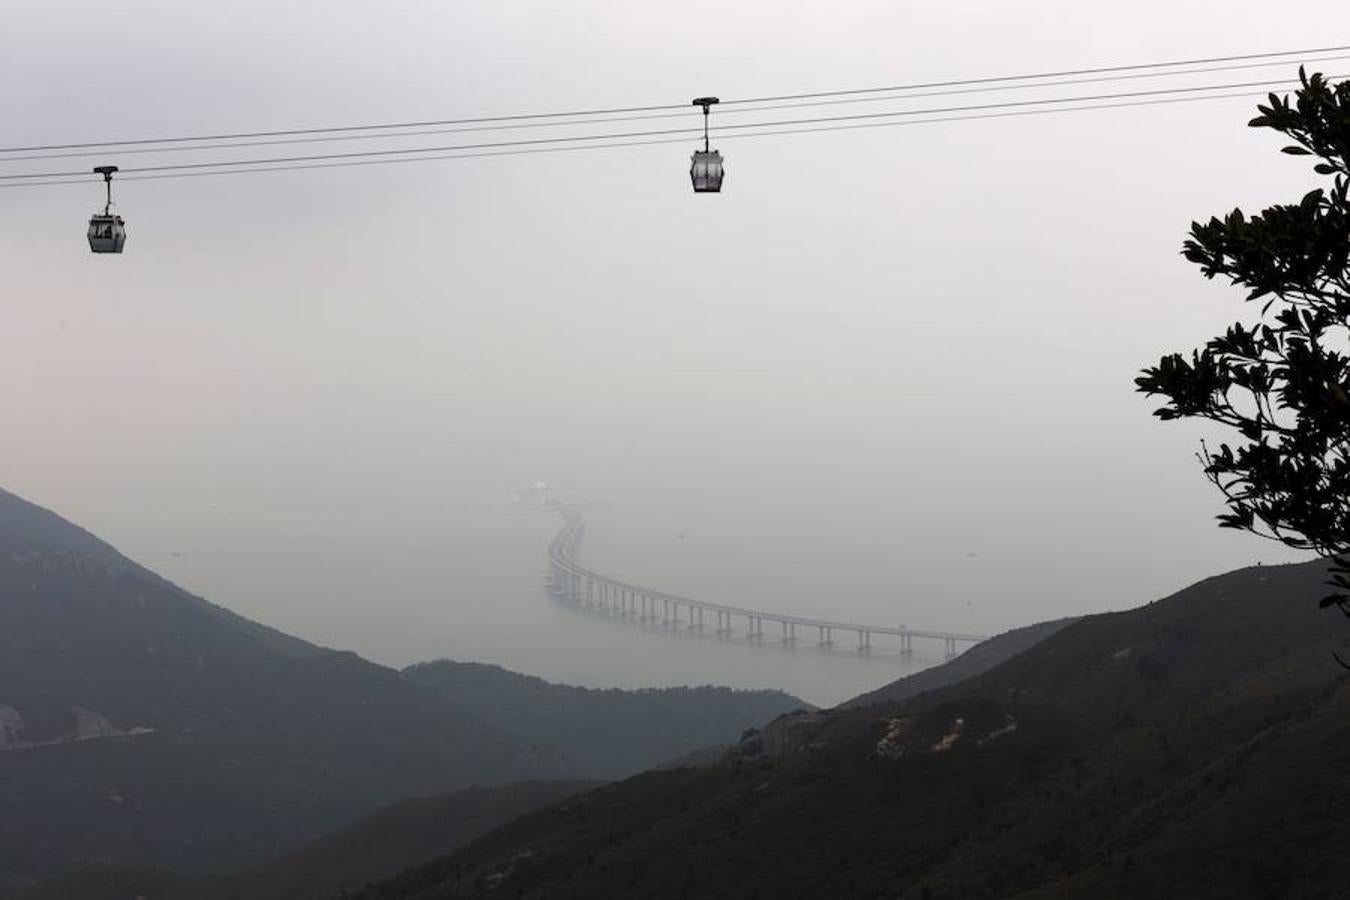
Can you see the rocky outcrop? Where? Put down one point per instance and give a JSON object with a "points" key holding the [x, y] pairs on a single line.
{"points": [[792, 733], [11, 727], [974, 723], [85, 725]]}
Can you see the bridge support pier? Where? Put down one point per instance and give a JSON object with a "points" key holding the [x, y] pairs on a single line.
{"points": [[567, 581]]}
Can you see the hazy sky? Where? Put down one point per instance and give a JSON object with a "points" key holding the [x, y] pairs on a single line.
{"points": [[885, 375]]}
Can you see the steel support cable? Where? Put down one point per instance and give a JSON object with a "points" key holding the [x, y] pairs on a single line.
{"points": [[341, 128], [723, 131], [871, 98], [683, 113], [1026, 77], [661, 141], [1092, 71]]}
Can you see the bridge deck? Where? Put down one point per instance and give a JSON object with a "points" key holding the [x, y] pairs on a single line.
{"points": [[562, 551]]}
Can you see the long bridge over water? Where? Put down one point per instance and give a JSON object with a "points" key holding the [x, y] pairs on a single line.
{"points": [[571, 582]]}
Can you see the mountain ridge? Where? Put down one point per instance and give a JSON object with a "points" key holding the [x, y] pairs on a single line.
{"points": [[256, 739], [607, 732], [1128, 754], [145, 728]]}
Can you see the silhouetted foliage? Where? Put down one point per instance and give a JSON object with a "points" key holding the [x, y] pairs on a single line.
{"points": [[1283, 383]]}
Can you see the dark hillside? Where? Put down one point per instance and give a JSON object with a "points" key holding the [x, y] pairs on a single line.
{"points": [[1283, 796], [372, 848], [27, 524], [142, 725], [1195, 747], [975, 661], [390, 840], [604, 733]]}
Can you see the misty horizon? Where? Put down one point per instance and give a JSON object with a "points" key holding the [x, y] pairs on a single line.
{"points": [[885, 375]]}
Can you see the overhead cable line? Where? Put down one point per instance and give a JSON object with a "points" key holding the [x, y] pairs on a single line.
{"points": [[724, 130], [1094, 71], [683, 113], [577, 114], [1027, 87], [340, 128], [254, 170]]}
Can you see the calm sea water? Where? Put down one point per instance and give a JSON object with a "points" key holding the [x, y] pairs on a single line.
{"points": [[464, 580]]}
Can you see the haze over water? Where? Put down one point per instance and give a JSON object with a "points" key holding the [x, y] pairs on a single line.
{"points": [[474, 591], [885, 375], [462, 577]]}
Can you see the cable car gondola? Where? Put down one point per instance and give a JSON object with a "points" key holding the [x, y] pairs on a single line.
{"points": [[705, 169], [107, 232]]}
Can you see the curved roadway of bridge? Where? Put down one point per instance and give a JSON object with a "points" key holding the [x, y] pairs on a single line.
{"points": [[571, 582]]}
